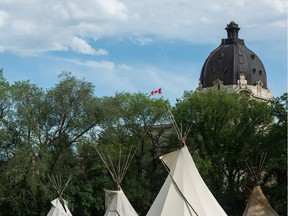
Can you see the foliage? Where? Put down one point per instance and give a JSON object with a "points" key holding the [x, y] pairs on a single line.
{"points": [[55, 131], [137, 121], [276, 163], [226, 129]]}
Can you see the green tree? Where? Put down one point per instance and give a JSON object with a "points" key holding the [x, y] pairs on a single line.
{"points": [[72, 113], [226, 127], [276, 162], [21, 170], [137, 119], [54, 131], [7, 131], [40, 133]]}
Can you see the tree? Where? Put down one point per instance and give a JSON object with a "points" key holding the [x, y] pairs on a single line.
{"points": [[276, 162], [52, 131], [141, 121], [40, 131], [72, 112], [226, 127], [7, 131]]}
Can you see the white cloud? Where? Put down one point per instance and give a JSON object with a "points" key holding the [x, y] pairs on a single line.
{"points": [[81, 46], [101, 52], [18, 1], [124, 67], [23, 27], [205, 19], [60, 12], [94, 10], [146, 78], [142, 40], [109, 77], [46, 23], [172, 82], [278, 5], [2, 49], [114, 8], [106, 65], [35, 27], [54, 22], [3, 18], [280, 23], [58, 47]]}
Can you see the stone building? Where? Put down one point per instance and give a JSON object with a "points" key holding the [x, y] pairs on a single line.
{"points": [[234, 67]]}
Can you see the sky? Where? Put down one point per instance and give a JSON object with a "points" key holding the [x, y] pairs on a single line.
{"points": [[135, 46]]}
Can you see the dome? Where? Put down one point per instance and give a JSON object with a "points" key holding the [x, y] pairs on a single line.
{"points": [[231, 61]]}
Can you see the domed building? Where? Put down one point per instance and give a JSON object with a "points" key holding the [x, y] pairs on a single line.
{"points": [[234, 67]]}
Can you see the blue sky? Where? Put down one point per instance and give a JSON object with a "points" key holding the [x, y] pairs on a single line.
{"points": [[135, 46]]}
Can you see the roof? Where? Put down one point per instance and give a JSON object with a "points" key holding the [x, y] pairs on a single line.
{"points": [[230, 59]]}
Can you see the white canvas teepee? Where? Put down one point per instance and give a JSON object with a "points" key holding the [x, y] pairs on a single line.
{"points": [[59, 209], [184, 192], [258, 204], [59, 205], [116, 202]]}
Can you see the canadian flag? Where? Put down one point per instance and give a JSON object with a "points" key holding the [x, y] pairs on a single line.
{"points": [[158, 91]]}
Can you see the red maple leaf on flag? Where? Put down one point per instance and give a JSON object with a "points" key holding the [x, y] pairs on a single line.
{"points": [[158, 91]]}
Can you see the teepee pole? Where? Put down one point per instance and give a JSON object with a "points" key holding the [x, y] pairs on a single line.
{"points": [[120, 166], [255, 171], [57, 184], [178, 130], [261, 164], [119, 163]]}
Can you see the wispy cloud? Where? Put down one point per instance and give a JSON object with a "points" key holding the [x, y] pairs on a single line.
{"points": [[142, 40], [81, 46], [107, 65], [3, 18], [124, 67]]}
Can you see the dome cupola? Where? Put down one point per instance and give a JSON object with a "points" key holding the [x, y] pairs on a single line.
{"points": [[232, 62]]}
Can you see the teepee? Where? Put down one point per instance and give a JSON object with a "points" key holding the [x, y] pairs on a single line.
{"points": [[116, 202], [184, 193], [257, 204], [59, 205]]}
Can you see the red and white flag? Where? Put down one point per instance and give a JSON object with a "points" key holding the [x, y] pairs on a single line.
{"points": [[158, 91]]}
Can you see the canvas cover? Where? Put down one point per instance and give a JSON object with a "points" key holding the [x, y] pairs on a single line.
{"points": [[117, 204], [184, 192], [58, 209], [258, 204]]}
